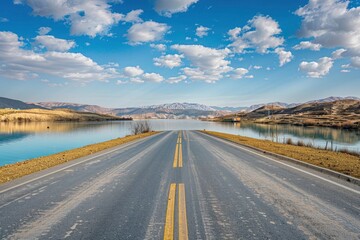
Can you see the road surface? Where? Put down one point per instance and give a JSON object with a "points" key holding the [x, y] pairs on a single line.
{"points": [[179, 185]]}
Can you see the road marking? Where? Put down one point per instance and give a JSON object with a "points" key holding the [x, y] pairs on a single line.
{"points": [[170, 210], [180, 156], [178, 160], [290, 166], [183, 228], [176, 156]]}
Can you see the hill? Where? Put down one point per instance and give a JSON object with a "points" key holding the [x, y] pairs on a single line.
{"points": [[343, 113], [16, 104], [44, 115]]}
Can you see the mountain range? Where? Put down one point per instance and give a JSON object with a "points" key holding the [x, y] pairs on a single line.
{"points": [[163, 111]]}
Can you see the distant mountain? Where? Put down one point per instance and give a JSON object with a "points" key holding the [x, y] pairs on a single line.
{"points": [[167, 111], [172, 110], [76, 107], [275, 104], [229, 109], [181, 106], [16, 104], [333, 99]]}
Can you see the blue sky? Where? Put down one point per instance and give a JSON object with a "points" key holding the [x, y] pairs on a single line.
{"points": [[117, 53]]}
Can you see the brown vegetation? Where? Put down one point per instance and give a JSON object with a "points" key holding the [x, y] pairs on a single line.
{"points": [[43, 115], [342, 162]]}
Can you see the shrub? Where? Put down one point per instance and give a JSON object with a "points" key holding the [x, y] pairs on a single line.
{"points": [[140, 127], [289, 141]]}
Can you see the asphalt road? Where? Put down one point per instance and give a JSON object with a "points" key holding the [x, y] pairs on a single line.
{"points": [[183, 185]]}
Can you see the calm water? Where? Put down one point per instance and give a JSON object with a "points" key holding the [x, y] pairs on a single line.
{"points": [[29, 140]]}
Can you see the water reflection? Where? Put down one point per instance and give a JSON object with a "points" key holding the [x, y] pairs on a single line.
{"points": [[20, 141]]}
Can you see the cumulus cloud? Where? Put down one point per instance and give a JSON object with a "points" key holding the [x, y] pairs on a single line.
{"points": [[21, 64], [176, 79], [308, 45], [133, 71], [44, 30], [54, 44], [152, 77], [133, 16], [202, 31], [317, 69], [169, 7], [209, 64], [149, 31], [239, 73], [261, 33], [332, 24], [339, 53], [169, 61], [284, 56], [85, 17], [159, 47]]}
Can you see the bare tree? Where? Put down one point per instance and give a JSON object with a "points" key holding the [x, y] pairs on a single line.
{"points": [[140, 127]]}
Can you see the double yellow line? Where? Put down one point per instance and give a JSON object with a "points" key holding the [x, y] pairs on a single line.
{"points": [[178, 160], [170, 213]]}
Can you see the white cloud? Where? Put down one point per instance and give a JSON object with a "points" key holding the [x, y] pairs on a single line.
{"points": [[338, 53], [239, 73], [332, 24], [120, 82], [133, 16], [308, 45], [54, 44], [234, 33], [152, 77], [284, 56], [202, 31], [136, 80], [159, 47], [317, 69], [146, 32], [176, 79], [133, 71], [169, 61], [169, 7], [345, 71], [257, 67], [209, 64], [260, 33], [21, 64], [85, 17], [44, 30], [249, 76]]}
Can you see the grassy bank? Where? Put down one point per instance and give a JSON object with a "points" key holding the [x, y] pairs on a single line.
{"points": [[341, 162], [43, 115], [16, 170]]}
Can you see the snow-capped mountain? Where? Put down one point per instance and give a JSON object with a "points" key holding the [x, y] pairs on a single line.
{"points": [[182, 106]]}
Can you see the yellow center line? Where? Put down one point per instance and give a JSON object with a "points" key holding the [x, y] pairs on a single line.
{"points": [[176, 156], [183, 228], [180, 156], [170, 210], [178, 160]]}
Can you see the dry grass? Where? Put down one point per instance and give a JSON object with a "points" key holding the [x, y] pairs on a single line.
{"points": [[41, 115], [341, 162], [16, 170]]}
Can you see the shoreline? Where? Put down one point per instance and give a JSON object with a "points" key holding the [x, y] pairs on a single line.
{"points": [[16, 170], [344, 163]]}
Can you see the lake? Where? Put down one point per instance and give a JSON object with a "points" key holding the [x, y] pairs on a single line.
{"points": [[21, 141]]}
